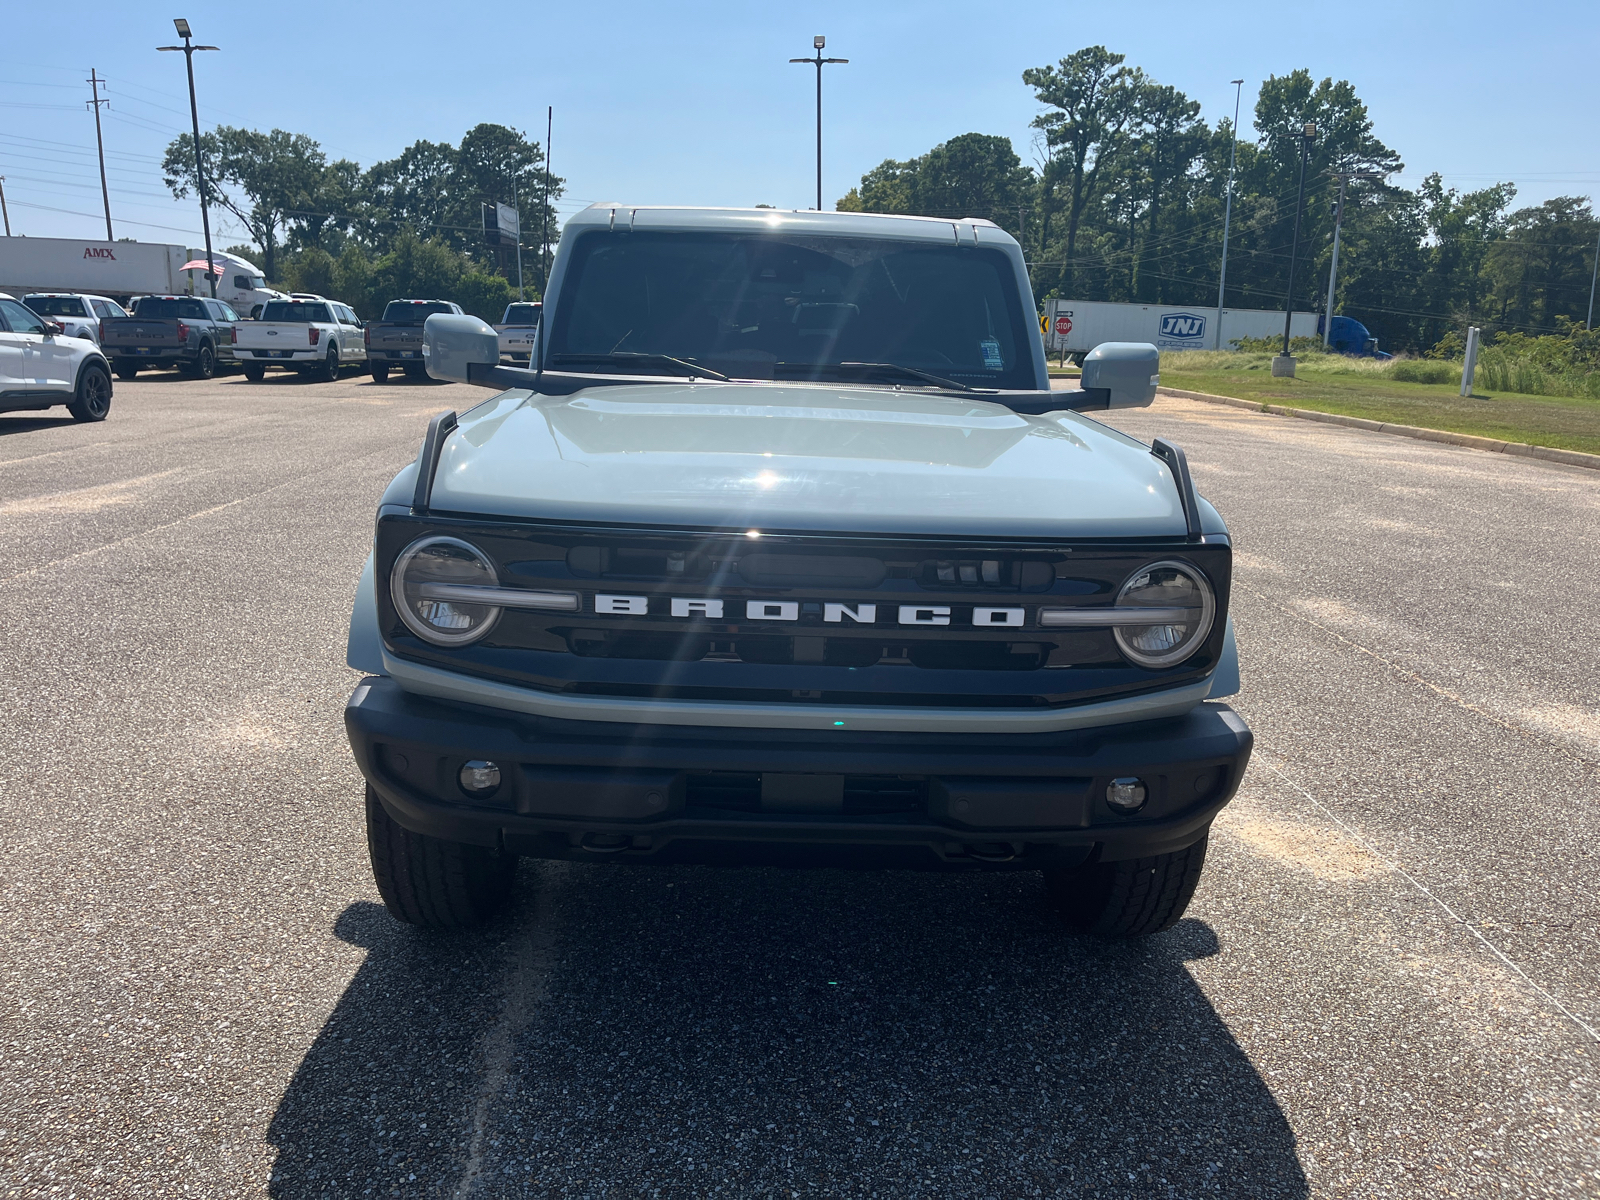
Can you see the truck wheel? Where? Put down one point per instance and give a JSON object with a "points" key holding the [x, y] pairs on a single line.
{"points": [[380, 372], [431, 882], [417, 372], [254, 372], [1128, 899], [205, 362], [92, 401], [127, 370], [330, 366]]}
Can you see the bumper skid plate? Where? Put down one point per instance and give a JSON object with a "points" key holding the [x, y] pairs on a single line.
{"points": [[590, 790]]}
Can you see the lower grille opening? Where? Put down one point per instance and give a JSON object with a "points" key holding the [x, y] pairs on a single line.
{"points": [[864, 795]]}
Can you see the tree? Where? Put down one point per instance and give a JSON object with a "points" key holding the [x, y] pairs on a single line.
{"points": [[973, 175], [1093, 98], [266, 180]]}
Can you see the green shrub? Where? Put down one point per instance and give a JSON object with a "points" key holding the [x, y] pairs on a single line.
{"points": [[1423, 370]]}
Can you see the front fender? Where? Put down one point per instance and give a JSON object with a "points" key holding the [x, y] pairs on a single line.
{"points": [[364, 650], [1225, 679]]}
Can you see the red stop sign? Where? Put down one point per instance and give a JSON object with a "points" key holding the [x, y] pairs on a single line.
{"points": [[1063, 326]]}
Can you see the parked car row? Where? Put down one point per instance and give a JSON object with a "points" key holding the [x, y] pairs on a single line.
{"points": [[62, 347]]}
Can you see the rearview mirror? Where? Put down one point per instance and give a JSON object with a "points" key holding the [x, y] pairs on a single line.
{"points": [[452, 346], [51, 329]]}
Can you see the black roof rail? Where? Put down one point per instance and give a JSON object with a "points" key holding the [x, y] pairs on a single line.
{"points": [[428, 461], [1179, 463]]}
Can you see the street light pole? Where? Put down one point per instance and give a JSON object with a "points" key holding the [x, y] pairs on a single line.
{"points": [[4, 211], [1227, 210], [188, 49], [819, 42], [1307, 135]]}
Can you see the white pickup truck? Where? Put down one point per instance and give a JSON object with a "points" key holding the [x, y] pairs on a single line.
{"points": [[312, 335], [517, 329]]}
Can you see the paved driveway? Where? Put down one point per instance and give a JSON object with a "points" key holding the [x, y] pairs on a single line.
{"points": [[1387, 985]]}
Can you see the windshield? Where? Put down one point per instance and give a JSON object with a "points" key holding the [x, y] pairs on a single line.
{"points": [[412, 312], [56, 306], [521, 314], [291, 312], [156, 308], [789, 307]]}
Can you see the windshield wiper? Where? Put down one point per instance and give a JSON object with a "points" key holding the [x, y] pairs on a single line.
{"points": [[880, 370], [636, 358]]}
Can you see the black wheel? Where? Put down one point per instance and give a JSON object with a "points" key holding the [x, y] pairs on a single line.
{"points": [[92, 400], [254, 372], [330, 366], [205, 362], [127, 370], [1128, 899], [380, 372], [431, 882], [417, 372]]}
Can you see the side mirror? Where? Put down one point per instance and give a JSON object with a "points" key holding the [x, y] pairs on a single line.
{"points": [[1124, 374], [51, 329], [457, 348]]}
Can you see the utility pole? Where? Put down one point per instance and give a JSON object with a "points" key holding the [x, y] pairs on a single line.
{"points": [[544, 217], [1593, 272], [1227, 208], [94, 81], [818, 43], [3, 210], [1333, 271], [516, 201], [188, 50], [1283, 364]]}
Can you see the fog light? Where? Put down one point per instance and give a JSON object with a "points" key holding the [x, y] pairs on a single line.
{"points": [[1126, 795], [480, 778]]}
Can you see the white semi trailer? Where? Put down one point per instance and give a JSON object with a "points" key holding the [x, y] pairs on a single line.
{"points": [[124, 269], [1075, 327]]}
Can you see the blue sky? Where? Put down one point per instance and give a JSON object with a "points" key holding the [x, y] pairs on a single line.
{"points": [[697, 104]]}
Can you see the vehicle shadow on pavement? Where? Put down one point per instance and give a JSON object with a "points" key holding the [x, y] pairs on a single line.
{"points": [[10, 425], [685, 1030]]}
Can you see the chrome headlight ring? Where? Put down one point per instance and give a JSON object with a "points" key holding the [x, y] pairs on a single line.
{"points": [[446, 566], [1170, 584]]}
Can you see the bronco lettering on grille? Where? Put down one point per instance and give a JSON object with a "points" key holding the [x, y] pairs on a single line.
{"points": [[833, 612]]}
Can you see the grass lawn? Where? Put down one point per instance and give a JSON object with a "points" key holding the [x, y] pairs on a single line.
{"points": [[1563, 422]]}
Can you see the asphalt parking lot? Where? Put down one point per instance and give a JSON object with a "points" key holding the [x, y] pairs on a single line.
{"points": [[1388, 984]]}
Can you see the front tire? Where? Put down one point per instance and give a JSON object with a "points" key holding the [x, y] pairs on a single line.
{"points": [[433, 883], [92, 400], [127, 370], [380, 372], [254, 372], [1133, 898]]}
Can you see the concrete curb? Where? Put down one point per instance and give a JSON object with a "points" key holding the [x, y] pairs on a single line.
{"points": [[1571, 458]]}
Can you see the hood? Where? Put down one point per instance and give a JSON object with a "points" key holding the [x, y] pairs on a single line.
{"points": [[803, 458]]}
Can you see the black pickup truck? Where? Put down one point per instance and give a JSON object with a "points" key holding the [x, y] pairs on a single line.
{"points": [[191, 333], [395, 339]]}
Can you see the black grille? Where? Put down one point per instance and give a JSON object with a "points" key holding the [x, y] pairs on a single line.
{"points": [[823, 649]]}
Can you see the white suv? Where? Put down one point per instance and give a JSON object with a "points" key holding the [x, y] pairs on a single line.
{"points": [[40, 366], [79, 315]]}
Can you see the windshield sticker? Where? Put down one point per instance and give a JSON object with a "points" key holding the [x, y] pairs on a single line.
{"points": [[991, 355]]}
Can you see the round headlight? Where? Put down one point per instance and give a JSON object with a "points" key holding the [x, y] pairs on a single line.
{"points": [[424, 575], [1179, 589]]}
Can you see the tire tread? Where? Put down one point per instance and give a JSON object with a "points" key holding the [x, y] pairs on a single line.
{"points": [[431, 882]]}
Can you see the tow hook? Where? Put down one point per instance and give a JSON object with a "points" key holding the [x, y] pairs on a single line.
{"points": [[606, 843]]}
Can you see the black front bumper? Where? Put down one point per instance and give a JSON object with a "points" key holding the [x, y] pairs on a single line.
{"points": [[594, 790]]}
